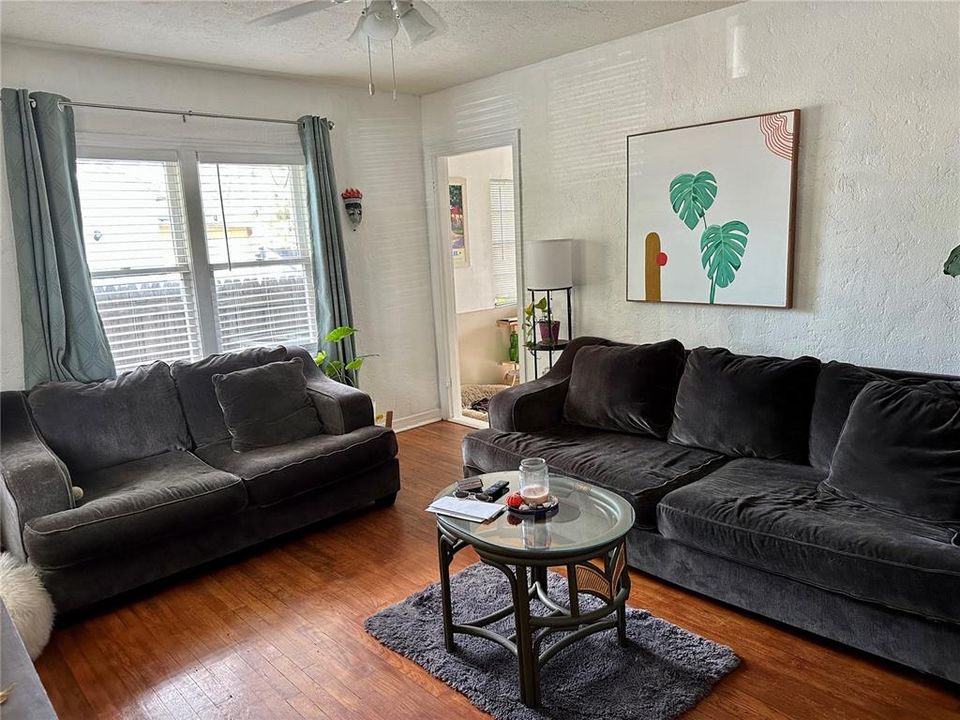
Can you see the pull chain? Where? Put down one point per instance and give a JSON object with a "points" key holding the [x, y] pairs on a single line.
{"points": [[393, 65]]}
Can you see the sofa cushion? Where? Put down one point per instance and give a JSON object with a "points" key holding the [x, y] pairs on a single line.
{"points": [[267, 405], [275, 474], [194, 383], [642, 469], [628, 389], [96, 425], [745, 406], [770, 515], [900, 450], [837, 387], [133, 503]]}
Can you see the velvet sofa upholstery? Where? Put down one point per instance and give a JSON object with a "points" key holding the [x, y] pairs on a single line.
{"points": [[641, 469], [759, 534], [149, 517]]}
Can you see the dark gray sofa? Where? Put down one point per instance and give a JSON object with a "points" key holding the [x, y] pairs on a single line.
{"points": [[756, 533], [163, 489]]}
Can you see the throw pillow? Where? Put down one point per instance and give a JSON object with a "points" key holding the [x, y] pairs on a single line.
{"points": [[267, 405], [745, 406], [195, 386], [628, 388], [96, 425], [900, 450]]}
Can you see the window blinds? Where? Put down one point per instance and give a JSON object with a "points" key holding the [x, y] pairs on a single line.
{"points": [[258, 244], [504, 240], [137, 251]]}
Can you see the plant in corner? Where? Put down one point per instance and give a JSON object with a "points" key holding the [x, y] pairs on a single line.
{"points": [[338, 370], [721, 246], [537, 316]]}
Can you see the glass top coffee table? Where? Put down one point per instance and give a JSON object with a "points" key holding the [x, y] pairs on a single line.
{"points": [[586, 536]]}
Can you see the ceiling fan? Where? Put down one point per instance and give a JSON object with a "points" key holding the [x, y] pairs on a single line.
{"points": [[380, 21]]}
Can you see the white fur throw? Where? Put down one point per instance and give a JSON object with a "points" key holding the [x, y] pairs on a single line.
{"points": [[28, 603]]}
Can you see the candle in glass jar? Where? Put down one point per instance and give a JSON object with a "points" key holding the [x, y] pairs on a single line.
{"points": [[535, 494]]}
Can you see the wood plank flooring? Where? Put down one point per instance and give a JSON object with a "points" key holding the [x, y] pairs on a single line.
{"points": [[277, 632]]}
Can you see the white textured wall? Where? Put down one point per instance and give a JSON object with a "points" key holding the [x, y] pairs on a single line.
{"points": [[377, 148], [879, 193]]}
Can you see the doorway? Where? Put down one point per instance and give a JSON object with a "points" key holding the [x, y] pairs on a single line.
{"points": [[477, 199]]}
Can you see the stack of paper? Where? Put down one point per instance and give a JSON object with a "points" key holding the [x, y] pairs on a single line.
{"points": [[466, 509]]}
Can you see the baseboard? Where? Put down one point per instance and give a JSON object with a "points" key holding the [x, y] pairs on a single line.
{"points": [[413, 421]]}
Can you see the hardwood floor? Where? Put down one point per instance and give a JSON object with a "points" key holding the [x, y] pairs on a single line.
{"points": [[277, 632]]}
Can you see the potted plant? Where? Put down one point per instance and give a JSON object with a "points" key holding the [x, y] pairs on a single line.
{"points": [[537, 315], [338, 370], [346, 373]]}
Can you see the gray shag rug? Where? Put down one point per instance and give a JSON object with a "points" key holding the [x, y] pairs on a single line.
{"points": [[663, 672]]}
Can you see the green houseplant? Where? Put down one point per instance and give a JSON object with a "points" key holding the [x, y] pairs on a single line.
{"points": [[537, 316], [338, 370], [952, 265]]}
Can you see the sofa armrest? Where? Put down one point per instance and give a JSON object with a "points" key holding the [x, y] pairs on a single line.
{"points": [[342, 409], [538, 404], [529, 407], [35, 481]]}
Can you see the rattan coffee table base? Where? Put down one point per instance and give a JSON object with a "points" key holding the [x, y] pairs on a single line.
{"points": [[601, 573]]}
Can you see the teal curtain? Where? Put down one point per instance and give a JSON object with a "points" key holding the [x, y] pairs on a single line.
{"points": [[329, 262], [63, 337]]}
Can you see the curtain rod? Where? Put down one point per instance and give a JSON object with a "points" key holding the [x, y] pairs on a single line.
{"points": [[61, 104]]}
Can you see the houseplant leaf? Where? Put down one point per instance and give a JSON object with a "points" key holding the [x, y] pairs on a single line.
{"points": [[339, 333], [355, 364], [692, 195], [952, 265], [721, 248], [320, 357]]}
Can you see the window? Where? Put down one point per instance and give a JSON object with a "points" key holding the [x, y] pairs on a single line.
{"points": [[137, 249], [258, 245], [504, 238], [178, 274]]}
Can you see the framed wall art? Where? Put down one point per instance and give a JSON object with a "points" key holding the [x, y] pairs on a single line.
{"points": [[711, 211], [458, 222]]}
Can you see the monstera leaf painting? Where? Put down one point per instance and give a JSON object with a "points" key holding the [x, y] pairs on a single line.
{"points": [[721, 250], [721, 246], [692, 195]]}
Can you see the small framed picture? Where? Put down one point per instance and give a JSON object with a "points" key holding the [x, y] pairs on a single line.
{"points": [[458, 222]]}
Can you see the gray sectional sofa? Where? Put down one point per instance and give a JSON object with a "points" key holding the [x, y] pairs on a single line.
{"points": [[163, 490], [736, 498]]}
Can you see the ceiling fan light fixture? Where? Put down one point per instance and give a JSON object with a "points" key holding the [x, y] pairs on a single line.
{"points": [[380, 21], [416, 27], [359, 37]]}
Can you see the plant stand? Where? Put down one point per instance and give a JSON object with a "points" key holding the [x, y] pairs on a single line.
{"points": [[538, 346]]}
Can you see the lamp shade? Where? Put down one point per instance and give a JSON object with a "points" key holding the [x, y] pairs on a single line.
{"points": [[548, 264]]}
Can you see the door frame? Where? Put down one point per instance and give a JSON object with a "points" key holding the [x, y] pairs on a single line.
{"points": [[441, 264]]}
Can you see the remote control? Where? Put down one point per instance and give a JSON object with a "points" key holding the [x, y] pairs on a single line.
{"points": [[497, 489]]}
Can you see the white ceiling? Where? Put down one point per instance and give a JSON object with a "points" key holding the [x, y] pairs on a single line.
{"points": [[484, 37]]}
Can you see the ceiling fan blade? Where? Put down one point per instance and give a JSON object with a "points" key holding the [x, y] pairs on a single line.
{"points": [[304, 8]]}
